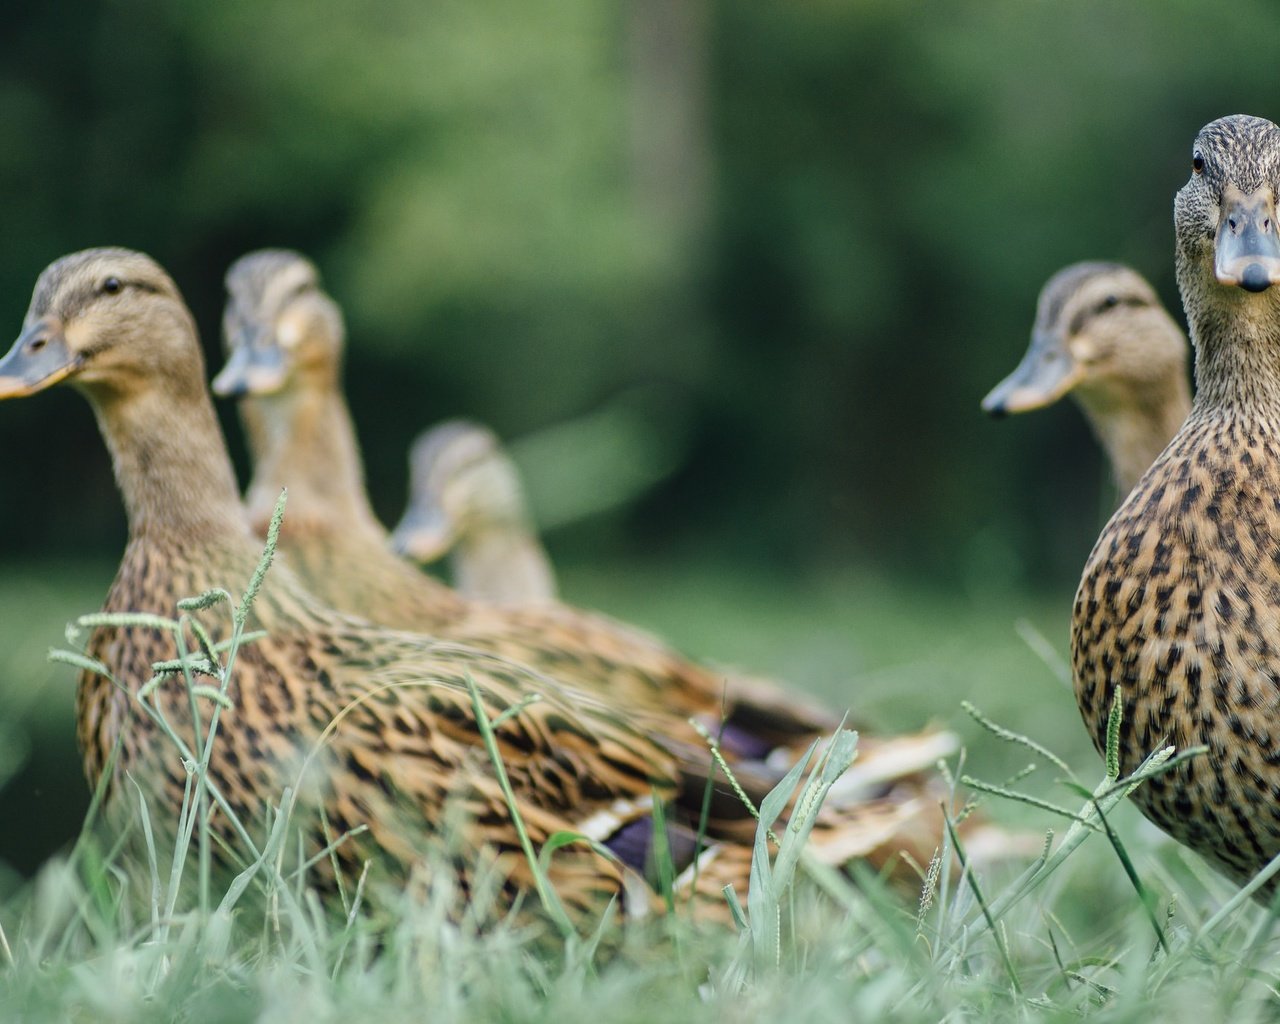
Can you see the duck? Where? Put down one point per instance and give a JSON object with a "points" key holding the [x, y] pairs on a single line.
{"points": [[1103, 336], [1178, 608], [373, 728], [288, 370], [285, 337], [466, 501]]}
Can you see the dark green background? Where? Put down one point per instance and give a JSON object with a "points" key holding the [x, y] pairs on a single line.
{"points": [[820, 227]]}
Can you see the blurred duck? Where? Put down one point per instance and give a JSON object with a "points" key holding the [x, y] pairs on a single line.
{"points": [[1102, 335], [465, 501], [285, 338], [372, 727], [1179, 603]]}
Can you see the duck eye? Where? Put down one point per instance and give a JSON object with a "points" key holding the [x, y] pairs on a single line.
{"points": [[1110, 302], [1197, 164], [111, 285]]}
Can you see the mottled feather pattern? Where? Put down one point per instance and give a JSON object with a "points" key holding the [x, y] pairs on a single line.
{"points": [[1179, 604], [407, 742], [407, 746]]}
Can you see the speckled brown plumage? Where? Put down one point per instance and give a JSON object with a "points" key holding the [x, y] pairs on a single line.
{"points": [[1180, 600], [1102, 335], [382, 718], [285, 337], [409, 745]]}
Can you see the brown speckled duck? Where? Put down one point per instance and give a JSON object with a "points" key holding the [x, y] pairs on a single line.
{"points": [[465, 501], [1102, 335], [385, 716], [1180, 600], [285, 338]]}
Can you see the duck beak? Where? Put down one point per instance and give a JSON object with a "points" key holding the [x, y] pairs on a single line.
{"points": [[423, 536], [253, 369], [1247, 247], [39, 359], [1047, 372]]}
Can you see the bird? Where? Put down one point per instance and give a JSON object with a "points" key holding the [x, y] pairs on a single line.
{"points": [[1102, 335], [285, 337], [1178, 608], [372, 727], [466, 501]]}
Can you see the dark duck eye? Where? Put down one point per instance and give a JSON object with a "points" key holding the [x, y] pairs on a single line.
{"points": [[1197, 164], [111, 285]]}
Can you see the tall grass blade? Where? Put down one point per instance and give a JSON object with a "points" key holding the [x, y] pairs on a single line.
{"points": [[550, 901]]}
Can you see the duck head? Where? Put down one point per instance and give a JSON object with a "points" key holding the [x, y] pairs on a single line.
{"points": [[1100, 332], [280, 329], [107, 320], [1228, 239], [460, 481]]}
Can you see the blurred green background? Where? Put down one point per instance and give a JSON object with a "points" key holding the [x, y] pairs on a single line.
{"points": [[801, 239]]}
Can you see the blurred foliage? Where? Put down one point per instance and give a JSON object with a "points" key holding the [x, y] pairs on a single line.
{"points": [[820, 227]]}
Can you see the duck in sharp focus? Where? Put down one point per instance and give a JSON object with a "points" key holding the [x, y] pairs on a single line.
{"points": [[465, 501], [384, 718], [285, 338], [1179, 604], [1102, 335]]}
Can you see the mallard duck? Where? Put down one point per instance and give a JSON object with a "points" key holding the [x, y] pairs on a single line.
{"points": [[298, 427], [465, 501], [1179, 604], [1102, 335], [285, 339], [383, 717]]}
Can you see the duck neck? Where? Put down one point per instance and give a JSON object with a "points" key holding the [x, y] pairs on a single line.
{"points": [[1238, 364], [1236, 337], [171, 464], [303, 439], [502, 562], [1134, 428]]}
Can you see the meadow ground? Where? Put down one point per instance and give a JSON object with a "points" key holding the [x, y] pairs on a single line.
{"points": [[1081, 943]]}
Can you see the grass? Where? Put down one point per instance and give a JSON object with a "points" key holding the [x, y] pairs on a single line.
{"points": [[1111, 923]]}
